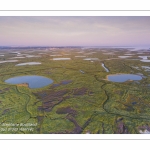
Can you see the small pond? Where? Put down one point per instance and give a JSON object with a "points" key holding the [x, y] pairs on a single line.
{"points": [[8, 61], [28, 63], [80, 56], [61, 58], [103, 65], [32, 81], [124, 56], [123, 77], [91, 59], [144, 60]]}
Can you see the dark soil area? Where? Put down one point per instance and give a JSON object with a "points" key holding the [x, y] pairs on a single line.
{"points": [[52, 98], [80, 91], [66, 110]]}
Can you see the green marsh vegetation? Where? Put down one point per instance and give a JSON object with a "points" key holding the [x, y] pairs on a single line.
{"points": [[81, 99]]}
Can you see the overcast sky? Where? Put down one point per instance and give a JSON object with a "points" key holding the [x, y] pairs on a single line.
{"points": [[74, 31]]}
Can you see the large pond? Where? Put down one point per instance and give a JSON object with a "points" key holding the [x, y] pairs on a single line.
{"points": [[32, 81], [123, 77]]}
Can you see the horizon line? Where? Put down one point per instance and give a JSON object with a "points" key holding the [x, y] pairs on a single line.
{"points": [[76, 46]]}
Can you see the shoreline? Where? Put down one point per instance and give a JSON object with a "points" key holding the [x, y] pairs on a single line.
{"points": [[23, 84], [113, 75]]}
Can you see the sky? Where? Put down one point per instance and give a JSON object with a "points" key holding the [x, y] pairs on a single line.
{"points": [[75, 31]]}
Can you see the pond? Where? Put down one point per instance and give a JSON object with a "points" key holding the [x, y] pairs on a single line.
{"points": [[109, 53], [55, 55], [144, 60], [124, 56], [123, 77], [103, 65], [8, 61], [91, 59], [16, 57], [30, 56], [80, 56], [146, 68], [143, 57], [129, 54], [61, 58], [32, 81], [28, 63]]}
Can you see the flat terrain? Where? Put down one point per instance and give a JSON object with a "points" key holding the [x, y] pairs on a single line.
{"points": [[80, 99]]}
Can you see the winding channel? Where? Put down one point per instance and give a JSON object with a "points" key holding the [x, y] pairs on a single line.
{"points": [[107, 99]]}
